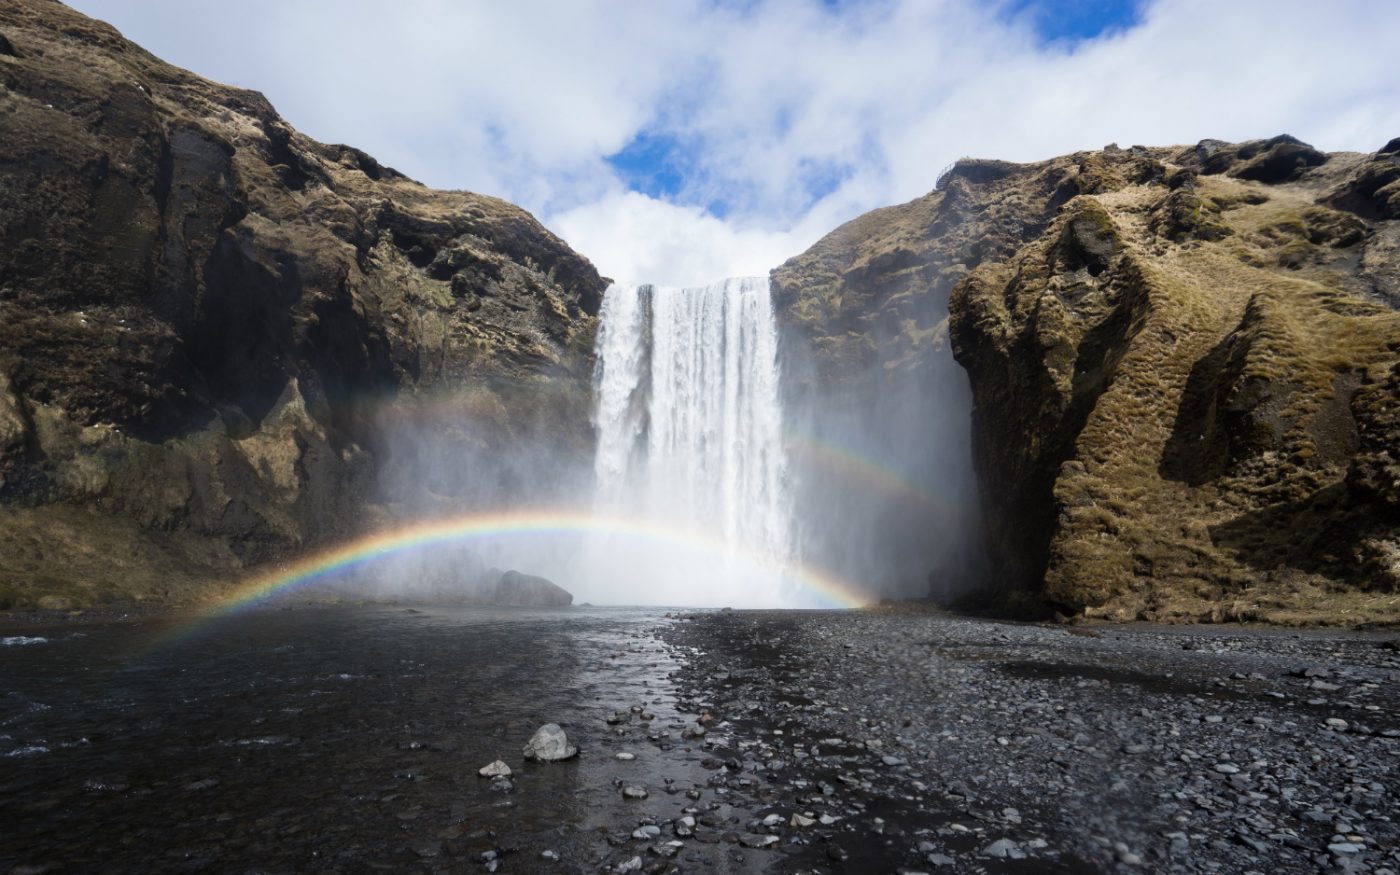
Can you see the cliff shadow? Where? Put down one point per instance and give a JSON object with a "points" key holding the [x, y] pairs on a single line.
{"points": [[1322, 533], [1198, 450]]}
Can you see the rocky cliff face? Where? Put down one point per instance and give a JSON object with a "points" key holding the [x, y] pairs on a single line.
{"points": [[1183, 363], [206, 319]]}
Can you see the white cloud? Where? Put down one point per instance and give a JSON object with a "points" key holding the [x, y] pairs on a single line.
{"points": [[634, 238], [793, 115]]}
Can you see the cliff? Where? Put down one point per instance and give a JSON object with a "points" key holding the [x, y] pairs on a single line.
{"points": [[206, 319], [1183, 366]]}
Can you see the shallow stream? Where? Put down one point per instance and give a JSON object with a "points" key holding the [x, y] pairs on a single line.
{"points": [[327, 738]]}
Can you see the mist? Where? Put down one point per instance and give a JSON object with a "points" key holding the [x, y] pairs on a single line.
{"points": [[886, 495], [705, 463]]}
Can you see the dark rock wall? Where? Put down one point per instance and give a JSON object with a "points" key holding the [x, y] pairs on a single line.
{"points": [[207, 321], [1181, 369]]}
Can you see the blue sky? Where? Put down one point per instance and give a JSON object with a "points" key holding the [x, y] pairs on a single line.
{"points": [[658, 164], [1071, 21], [684, 140]]}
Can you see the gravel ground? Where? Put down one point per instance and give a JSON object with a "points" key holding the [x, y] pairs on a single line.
{"points": [[912, 742]]}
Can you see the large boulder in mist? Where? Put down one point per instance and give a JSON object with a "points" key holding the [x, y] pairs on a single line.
{"points": [[222, 342], [526, 590], [1181, 363]]}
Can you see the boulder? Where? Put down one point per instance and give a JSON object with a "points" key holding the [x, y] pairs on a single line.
{"points": [[527, 590]]}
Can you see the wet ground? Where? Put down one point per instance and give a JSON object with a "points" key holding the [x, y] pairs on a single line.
{"points": [[323, 739], [927, 743], [348, 739]]}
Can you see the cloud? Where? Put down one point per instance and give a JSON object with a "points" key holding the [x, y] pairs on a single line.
{"points": [[779, 118], [635, 238]]}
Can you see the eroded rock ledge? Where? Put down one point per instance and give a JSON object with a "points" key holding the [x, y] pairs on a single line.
{"points": [[206, 316]]}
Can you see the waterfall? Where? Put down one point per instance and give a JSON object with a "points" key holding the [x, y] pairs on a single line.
{"points": [[690, 437]]}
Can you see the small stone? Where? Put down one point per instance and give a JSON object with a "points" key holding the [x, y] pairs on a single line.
{"points": [[939, 860], [1227, 769], [1344, 848], [755, 840], [1336, 724], [631, 865], [800, 821], [1003, 849], [647, 832], [632, 792], [773, 820], [626, 757], [492, 770]]}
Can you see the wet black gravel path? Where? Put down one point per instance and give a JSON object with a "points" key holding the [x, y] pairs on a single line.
{"points": [[924, 743]]}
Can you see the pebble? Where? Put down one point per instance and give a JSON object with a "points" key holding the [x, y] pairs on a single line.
{"points": [[633, 792], [1004, 849]]}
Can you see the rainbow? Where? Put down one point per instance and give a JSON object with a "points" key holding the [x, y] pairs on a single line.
{"points": [[855, 467], [331, 561]]}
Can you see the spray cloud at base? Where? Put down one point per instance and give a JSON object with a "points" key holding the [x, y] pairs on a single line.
{"points": [[701, 465]]}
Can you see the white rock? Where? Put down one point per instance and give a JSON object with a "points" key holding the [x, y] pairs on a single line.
{"points": [[494, 769], [549, 744]]}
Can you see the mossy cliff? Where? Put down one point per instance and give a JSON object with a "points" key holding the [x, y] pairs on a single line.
{"points": [[206, 317], [1183, 363]]}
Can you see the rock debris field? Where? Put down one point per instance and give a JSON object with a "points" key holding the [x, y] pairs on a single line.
{"points": [[911, 742]]}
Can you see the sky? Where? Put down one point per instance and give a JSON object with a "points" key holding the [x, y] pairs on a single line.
{"points": [[681, 141]]}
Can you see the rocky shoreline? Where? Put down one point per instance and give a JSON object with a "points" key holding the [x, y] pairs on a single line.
{"points": [[877, 741]]}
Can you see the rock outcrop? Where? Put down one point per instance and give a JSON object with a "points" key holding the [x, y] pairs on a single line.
{"points": [[207, 319], [527, 590], [1183, 366]]}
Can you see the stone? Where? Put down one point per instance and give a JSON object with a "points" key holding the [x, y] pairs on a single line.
{"points": [[549, 744], [634, 792], [493, 769], [1003, 849]]}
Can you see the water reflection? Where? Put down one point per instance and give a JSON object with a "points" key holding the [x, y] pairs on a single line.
{"points": [[320, 737]]}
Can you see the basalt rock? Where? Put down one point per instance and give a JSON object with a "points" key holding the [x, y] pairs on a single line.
{"points": [[527, 590], [1183, 367], [209, 321]]}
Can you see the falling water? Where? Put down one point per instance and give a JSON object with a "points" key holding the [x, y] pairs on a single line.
{"points": [[690, 436]]}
